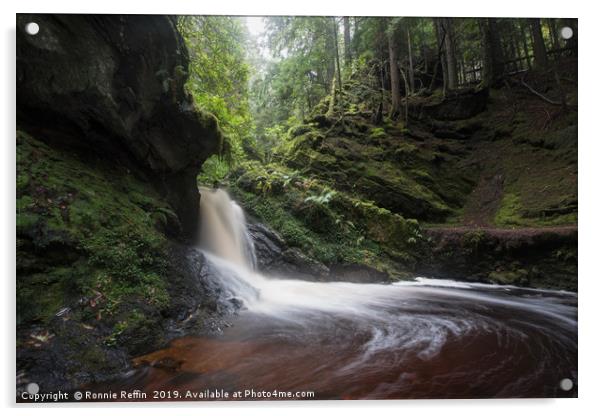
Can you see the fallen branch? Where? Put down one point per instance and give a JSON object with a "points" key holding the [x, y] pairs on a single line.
{"points": [[538, 94]]}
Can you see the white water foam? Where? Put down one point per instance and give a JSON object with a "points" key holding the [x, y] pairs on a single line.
{"points": [[419, 316]]}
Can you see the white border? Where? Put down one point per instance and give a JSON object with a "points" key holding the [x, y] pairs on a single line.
{"points": [[590, 152]]}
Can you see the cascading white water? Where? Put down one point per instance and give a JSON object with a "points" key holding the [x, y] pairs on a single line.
{"points": [[224, 234], [224, 228], [416, 339]]}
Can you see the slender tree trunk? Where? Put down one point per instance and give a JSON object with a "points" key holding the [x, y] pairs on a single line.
{"points": [[330, 69], [410, 63], [513, 52], [347, 40], [424, 50], [441, 35], [450, 54], [554, 33], [425, 58], [539, 47], [407, 89], [333, 98], [335, 32], [517, 47], [525, 38], [383, 53], [394, 72], [354, 46]]}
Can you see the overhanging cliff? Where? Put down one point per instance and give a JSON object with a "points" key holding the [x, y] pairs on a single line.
{"points": [[113, 86]]}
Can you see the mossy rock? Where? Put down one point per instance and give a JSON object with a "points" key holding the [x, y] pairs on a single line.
{"points": [[332, 227], [84, 229], [511, 277]]}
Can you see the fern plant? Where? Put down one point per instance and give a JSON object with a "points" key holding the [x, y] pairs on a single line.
{"points": [[322, 199]]}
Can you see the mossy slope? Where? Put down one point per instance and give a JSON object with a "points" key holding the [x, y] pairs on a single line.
{"points": [[331, 226], [91, 262], [510, 163]]}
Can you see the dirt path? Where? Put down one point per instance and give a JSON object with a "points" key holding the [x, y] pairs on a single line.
{"points": [[484, 201]]}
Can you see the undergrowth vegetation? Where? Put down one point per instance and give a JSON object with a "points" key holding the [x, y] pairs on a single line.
{"points": [[103, 251], [329, 225]]}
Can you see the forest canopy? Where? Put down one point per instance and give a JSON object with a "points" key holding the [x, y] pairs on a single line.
{"points": [[261, 85]]}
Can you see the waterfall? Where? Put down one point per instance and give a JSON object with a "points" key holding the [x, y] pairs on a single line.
{"points": [[373, 340], [228, 246], [224, 229]]}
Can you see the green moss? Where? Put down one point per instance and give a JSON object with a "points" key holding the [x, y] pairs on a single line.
{"points": [[509, 211], [87, 231], [422, 182], [332, 227], [377, 133], [513, 213], [537, 157], [510, 277]]}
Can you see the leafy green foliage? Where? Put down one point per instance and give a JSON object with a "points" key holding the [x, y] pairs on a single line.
{"points": [[322, 199], [331, 226], [288, 87], [219, 72], [214, 170]]}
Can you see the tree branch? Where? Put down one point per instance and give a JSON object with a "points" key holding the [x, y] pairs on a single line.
{"points": [[538, 94]]}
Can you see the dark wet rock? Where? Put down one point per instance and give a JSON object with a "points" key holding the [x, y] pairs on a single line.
{"points": [[199, 303], [545, 258], [111, 86], [103, 96], [358, 274], [65, 355], [72, 350], [275, 258], [449, 134], [278, 260], [402, 197], [458, 105]]}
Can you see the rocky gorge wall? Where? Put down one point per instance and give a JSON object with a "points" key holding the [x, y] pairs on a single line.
{"points": [[108, 148], [113, 86], [473, 186]]}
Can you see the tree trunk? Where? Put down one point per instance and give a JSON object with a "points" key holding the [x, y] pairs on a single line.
{"points": [[493, 60], [354, 46], [347, 41], [333, 98], [513, 52], [554, 33], [410, 64], [539, 47], [524, 39], [394, 72], [441, 35], [517, 47], [450, 54], [407, 89], [330, 69], [335, 32]]}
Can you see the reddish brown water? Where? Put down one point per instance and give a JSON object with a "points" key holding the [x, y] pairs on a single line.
{"points": [[426, 342], [424, 339]]}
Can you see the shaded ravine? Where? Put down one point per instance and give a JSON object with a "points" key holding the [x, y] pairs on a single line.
{"points": [[422, 339]]}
